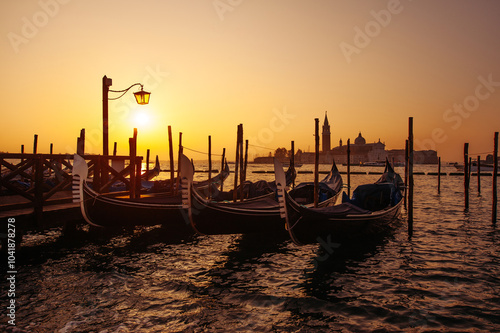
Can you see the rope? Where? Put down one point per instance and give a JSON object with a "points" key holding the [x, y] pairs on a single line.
{"points": [[486, 152], [200, 152], [261, 147]]}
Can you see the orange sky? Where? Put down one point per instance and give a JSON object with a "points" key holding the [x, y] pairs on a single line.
{"points": [[272, 65]]}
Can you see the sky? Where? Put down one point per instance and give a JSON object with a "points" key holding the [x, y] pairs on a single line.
{"points": [[272, 66]]}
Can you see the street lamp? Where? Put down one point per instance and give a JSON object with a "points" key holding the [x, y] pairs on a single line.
{"points": [[141, 97]]}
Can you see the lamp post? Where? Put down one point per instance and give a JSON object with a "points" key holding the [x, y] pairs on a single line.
{"points": [[141, 97]]}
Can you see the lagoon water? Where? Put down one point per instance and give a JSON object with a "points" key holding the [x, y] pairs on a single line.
{"points": [[445, 278]]}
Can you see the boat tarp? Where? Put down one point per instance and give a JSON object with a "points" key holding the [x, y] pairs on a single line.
{"points": [[265, 202], [304, 192], [374, 197], [250, 190], [340, 210]]}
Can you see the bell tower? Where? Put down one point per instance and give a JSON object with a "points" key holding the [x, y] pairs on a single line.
{"points": [[325, 144]]}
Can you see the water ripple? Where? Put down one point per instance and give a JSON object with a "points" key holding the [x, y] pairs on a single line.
{"points": [[445, 278]]}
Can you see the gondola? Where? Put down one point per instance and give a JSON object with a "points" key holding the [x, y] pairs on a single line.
{"points": [[107, 210], [165, 185], [104, 210], [253, 215], [150, 174], [370, 211], [249, 190]]}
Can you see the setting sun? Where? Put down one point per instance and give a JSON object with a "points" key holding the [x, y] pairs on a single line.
{"points": [[141, 119]]}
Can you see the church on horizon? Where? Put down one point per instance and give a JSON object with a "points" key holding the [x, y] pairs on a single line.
{"points": [[361, 152]]}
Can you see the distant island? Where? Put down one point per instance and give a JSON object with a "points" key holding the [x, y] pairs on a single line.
{"points": [[361, 152]]}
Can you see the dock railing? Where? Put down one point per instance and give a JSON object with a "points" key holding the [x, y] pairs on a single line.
{"points": [[39, 177]]}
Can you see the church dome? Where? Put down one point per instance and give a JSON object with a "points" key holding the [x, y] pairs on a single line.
{"points": [[360, 140]]}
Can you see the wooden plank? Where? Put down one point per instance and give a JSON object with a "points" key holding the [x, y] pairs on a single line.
{"points": [[19, 169]]}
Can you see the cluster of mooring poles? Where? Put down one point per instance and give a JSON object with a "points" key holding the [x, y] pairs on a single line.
{"points": [[102, 169], [467, 177], [408, 198]]}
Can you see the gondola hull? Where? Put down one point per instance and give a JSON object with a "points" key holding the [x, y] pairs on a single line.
{"points": [[256, 215], [307, 227], [105, 211], [370, 213], [251, 216]]}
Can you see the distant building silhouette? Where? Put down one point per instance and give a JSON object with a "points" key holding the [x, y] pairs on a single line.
{"points": [[360, 140], [361, 152], [325, 144]]}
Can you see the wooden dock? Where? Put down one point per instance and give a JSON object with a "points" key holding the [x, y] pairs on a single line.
{"points": [[36, 188]]}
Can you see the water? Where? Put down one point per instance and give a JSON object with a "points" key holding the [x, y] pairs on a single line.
{"points": [[446, 278]]}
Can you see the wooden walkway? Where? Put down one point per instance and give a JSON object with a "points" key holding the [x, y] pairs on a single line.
{"points": [[37, 187]]}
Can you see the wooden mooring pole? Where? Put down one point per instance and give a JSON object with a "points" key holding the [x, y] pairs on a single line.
{"points": [[292, 161], [478, 175], [171, 157], [495, 167], [405, 198], [179, 164], [410, 177], [242, 165], [470, 170], [245, 163], [349, 168], [80, 143], [51, 151], [439, 174], [209, 166], [133, 152], [316, 161], [236, 163], [246, 159], [35, 144], [222, 167], [137, 170], [466, 177]]}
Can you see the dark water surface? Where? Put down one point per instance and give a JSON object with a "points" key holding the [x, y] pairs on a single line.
{"points": [[446, 278]]}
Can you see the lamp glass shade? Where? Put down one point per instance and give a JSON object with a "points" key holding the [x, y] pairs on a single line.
{"points": [[142, 97]]}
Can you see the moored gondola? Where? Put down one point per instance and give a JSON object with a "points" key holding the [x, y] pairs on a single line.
{"points": [[105, 210], [370, 211], [260, 214]]}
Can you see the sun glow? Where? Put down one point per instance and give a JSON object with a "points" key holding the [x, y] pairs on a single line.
{"points": [[142, 119]]}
